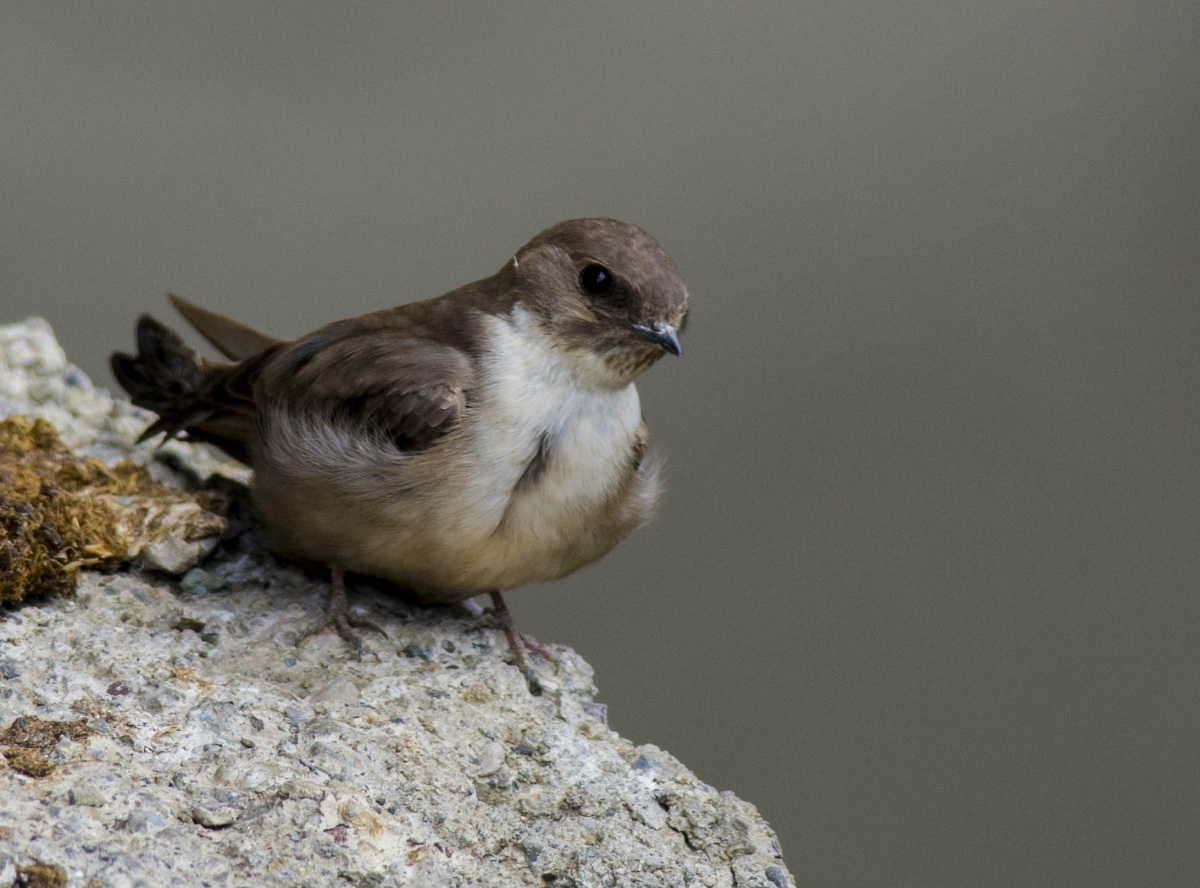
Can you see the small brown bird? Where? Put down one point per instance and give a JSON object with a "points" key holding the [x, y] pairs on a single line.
{"points": [[468, 444]]}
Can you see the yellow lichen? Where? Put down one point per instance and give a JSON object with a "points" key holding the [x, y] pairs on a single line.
{"points": [[41, 875], [40, 734], [60, 512], [28, 738], [29, 763]]}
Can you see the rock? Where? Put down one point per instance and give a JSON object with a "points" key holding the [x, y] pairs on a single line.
{"points": [[214, 815], [341, 690], [194, 743], [175, 556], [85, 794]]}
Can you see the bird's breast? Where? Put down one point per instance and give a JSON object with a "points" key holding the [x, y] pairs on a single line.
{"points": [[553, 449]]}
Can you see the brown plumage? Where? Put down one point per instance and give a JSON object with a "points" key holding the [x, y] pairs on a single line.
{"points": [[470, 443]]}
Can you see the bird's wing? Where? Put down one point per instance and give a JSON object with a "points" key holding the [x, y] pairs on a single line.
{"points": [[234, 340], [390, 379]]}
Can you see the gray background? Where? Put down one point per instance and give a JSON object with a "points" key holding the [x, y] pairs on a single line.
{"points": [[924, 585]]}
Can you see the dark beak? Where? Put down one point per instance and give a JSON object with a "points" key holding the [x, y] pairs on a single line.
{"points": [[663, 334]]}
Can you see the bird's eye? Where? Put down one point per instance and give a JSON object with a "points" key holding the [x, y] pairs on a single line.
{"points": [[596, 279]]}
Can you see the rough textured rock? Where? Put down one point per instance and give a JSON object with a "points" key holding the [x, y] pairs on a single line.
{"points": [[183, 738]]}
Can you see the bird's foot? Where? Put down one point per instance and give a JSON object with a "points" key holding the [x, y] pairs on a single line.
{"points": [[519, 643], [345, 626], [338, 617]]}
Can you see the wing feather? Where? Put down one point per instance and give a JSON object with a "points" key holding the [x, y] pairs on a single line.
{"points": [[410, 388]]}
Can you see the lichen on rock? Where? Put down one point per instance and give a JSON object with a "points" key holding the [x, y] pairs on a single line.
{"points": [[60, 512]]}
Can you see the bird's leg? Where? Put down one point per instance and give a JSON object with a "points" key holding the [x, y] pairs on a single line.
{"points": [[518, 641], [337, 615]]}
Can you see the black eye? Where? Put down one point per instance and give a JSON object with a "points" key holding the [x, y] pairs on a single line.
{"points": [[596, 279]]}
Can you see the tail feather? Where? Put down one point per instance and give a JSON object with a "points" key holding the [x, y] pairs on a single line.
{"points": [[189, 394], [164, 369]]}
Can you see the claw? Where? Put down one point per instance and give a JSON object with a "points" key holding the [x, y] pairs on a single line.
{"points": [[337, 616], [519, 643]]}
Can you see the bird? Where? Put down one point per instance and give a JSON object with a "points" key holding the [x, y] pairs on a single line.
{"points": [[459, 446]]}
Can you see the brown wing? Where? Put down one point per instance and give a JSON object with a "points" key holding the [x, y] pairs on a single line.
{"points": [[405, 372], [388, 380], [377, 373]]}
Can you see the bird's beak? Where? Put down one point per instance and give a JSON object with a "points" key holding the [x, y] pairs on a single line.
{"points": [[661, 333]]}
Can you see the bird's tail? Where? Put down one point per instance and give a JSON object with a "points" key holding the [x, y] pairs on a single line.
{"points": [[164, 376], [189, 394]]}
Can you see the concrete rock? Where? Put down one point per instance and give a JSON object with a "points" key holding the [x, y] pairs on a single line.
{"points": [[220, 753], [175, 556]]}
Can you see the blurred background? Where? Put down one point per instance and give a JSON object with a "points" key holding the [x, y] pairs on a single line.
{"points": [[924, 584]]}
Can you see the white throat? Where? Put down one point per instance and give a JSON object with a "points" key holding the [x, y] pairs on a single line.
{"points": [[535, 392], [531, 380]]}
